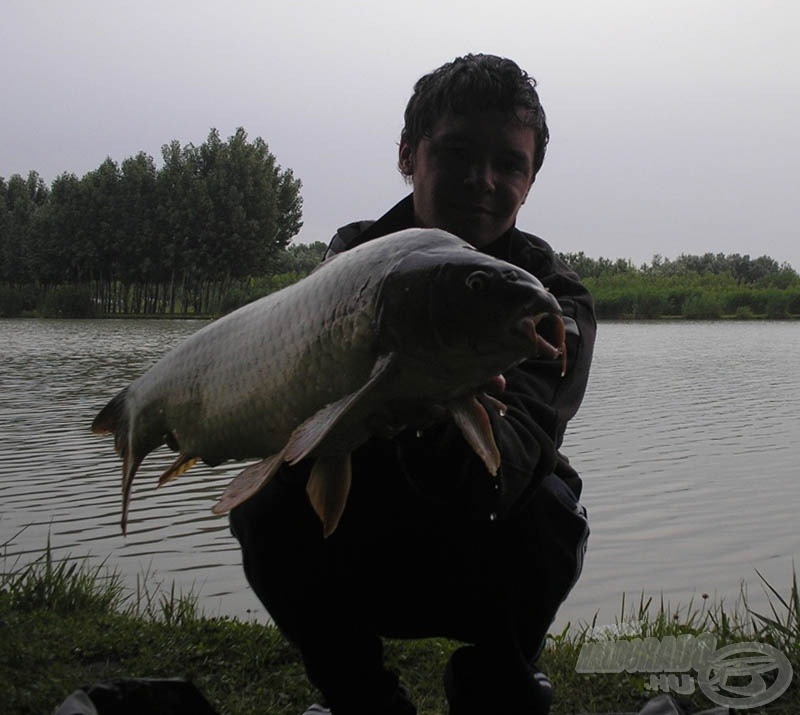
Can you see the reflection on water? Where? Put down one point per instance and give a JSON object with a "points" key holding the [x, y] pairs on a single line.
{"points": [[687, 441]]}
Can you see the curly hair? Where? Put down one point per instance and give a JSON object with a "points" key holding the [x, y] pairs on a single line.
{"points": [[476, 82]]}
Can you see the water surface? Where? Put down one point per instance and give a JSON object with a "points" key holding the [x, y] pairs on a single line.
{"points": [[688, 442]]}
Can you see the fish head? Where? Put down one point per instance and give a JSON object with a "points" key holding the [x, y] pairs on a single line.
{"points": [[466, 307]]}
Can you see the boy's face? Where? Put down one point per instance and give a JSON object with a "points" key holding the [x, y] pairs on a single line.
{"points": [[471, 175]]}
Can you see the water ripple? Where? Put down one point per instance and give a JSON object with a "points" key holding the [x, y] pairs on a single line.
{"points": [[687, 442]]}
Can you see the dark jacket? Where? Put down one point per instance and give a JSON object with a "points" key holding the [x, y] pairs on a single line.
{"points": [[438, 462]]}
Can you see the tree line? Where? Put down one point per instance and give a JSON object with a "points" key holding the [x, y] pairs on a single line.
{"points": [[704, 286], [762, 271], [211, 228], [133, 238]]}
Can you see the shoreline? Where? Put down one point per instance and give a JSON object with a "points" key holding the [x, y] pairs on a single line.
{"points": [[65, 625]]}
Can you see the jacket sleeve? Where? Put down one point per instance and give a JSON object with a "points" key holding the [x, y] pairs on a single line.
{"points": [[442, 467]]}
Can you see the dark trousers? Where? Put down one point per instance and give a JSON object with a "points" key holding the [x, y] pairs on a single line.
{"points": [[398, 566]]}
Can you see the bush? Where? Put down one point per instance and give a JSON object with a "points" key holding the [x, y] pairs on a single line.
{"points": [[635, 302], [675, 299], [744, 312], [702, 307], [68, 302], [794, 302], [12, 302], [610, 307], [234, 298], [777, 305], [264, 285], [651, 305], [739, 299], [255, 288]]}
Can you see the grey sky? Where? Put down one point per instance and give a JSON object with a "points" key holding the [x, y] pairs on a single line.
{"points": [[674, 123]]}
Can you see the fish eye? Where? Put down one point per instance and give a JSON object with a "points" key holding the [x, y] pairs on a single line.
{"points": [[477, 281]]}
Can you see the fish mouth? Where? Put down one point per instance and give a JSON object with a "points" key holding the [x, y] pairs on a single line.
{"points": [[547, 333]]}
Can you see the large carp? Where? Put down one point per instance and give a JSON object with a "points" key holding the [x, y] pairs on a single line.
{"points": [[418, 317]]}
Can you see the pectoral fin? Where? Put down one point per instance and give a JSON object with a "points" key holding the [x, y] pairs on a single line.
{"points": [[248, 482], [472, 419], [309, 435], [327, 489]]}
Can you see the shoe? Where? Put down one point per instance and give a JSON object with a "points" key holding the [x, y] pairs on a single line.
{"points": [[399, 704], [474, 685], [544, 687]]}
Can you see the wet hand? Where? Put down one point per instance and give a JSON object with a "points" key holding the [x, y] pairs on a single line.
{"points": [[421, 415]]}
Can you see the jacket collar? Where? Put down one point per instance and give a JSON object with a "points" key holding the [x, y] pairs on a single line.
{"points": [[401, 216]]}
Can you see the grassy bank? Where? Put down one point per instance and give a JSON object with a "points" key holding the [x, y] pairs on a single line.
{"points": [[638, 296], [64, 624], [622, 296]]}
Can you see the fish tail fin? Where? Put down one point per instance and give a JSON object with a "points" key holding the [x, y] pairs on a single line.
{"points": [[110, 418], [115, 419], [130, 463]]}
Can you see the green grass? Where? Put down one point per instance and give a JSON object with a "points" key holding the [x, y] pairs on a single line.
{"points": [[627, 692], [65, 623]]}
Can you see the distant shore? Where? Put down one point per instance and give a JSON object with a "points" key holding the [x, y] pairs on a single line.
{"points": [[628, 295]]}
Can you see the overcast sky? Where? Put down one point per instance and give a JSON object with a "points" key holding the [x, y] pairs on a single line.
{"points": [[674, 123]]}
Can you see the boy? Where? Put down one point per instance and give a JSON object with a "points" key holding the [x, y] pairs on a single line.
{"points": [[430, 544]]}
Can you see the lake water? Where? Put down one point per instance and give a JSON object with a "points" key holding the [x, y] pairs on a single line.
{"points": [[688, 442]]}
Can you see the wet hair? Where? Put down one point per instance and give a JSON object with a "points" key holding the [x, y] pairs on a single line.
{"points": [[474, 83]]}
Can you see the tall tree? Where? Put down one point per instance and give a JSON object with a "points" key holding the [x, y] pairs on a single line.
{"points": [[23, 197], [61, 248], [144, 236]]}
